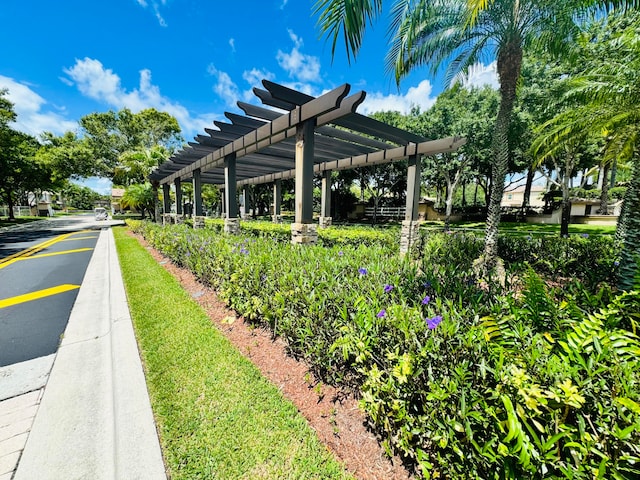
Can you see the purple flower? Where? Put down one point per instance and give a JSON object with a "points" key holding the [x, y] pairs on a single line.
{"points": [[426, 300], [616, 263], [388, 288], [585, 235], [381, 313], [340, 253], [433, 322], [362, 271], [426, 284], [244, 251]]}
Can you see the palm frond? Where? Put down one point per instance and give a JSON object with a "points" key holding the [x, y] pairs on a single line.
{"points": [[347, 18]]}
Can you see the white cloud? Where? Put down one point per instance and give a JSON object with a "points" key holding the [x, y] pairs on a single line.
{"points": [[226, 88], [97, 184], [102, 84], [299, 66], [155, 6], [283, 4], [418, 96], [34, 113], [480, 75], [232, 44]]}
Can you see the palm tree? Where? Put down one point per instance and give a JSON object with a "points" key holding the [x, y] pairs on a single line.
{"points": [[140, 197], [429, 32], [610, 98]]}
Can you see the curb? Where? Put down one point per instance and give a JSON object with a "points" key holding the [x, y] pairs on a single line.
{"points": [[95, 419]]}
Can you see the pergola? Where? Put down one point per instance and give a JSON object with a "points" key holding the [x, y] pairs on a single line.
{"points": [[298, 137]]}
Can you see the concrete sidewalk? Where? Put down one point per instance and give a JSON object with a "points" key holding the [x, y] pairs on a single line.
{"points": [[94, 419]]}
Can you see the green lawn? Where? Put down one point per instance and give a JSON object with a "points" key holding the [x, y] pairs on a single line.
{"points": [[217, 416], [532, 228]]}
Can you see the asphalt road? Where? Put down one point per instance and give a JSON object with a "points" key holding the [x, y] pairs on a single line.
{"points": [[41, 270]]}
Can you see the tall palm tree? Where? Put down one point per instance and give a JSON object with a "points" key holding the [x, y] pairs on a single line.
{"points": [[429, 32]]}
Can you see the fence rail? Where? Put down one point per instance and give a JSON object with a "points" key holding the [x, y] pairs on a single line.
{"points": [[393, 212], [18, 211]]}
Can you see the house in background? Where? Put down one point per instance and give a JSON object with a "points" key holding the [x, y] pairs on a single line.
{"points": [[116, 200], [515, 197]]}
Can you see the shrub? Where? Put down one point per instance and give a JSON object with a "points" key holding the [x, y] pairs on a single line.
{"points": [[462, 379]]}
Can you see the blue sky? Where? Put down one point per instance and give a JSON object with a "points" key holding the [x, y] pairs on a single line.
{"points": [[192, 59]]}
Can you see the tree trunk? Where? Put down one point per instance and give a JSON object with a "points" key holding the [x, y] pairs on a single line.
{"points": [[628, 232], [526, 200], [509, 65], [10, 204], [566, 204], [475, 193], [604, 193]]}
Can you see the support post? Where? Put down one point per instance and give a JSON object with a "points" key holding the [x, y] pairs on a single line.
{"points": [[245, 202], [277, 201], [231, 221], [303, 230], [325, 203], [410, 229], [178, 200], [198, 217], [166, 198]]}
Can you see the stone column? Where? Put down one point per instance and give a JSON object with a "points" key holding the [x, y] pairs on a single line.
{"points": [[277, 201], [410, 226], [302, 230]]}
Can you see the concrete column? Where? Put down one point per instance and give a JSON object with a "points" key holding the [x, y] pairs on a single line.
{"points": [[277, 201], [231, 221], [303, 230], [410, 231], [197, 193], [325, 204], [178, 196]]}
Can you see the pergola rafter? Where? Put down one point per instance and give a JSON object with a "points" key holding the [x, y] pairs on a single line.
{"points": [[303, 137]]}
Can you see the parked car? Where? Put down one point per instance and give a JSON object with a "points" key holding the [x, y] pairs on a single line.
{"points": [[100, 213]]}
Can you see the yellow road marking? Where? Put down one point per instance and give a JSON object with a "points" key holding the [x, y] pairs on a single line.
{"points": [[27, 297], [78, 238], [37, 248], [55, 253]]}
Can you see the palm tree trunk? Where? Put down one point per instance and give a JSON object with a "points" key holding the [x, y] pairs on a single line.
{"points": [[628, 232], [604, 193], [509, 66]]}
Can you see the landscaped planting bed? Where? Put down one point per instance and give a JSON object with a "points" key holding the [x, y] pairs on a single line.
{"points": [[465, 378]]}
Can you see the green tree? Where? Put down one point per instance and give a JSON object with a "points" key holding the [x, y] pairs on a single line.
{"points": [[112, 134], [609, 95], [134, 166], [21, 173], [141, 197], [430, 32]]}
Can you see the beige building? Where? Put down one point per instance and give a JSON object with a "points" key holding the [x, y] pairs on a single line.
{"points": [[514, 197]]}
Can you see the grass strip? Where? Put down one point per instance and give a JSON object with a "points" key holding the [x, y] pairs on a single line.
{"points": [[218, 417]]}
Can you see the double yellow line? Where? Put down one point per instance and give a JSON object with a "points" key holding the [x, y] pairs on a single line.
{"points": [[31, 253]]}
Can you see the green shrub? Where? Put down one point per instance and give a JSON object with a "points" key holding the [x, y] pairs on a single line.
{"points": [[462, 379]]}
